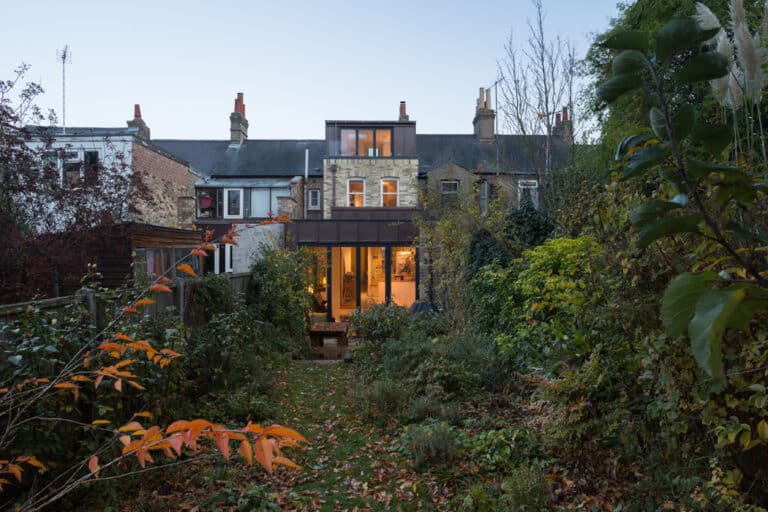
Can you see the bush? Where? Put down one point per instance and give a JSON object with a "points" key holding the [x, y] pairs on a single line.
{"points": [[385, 400], [210, 297], [500, 451], [430, 444], [277, 293], [378, 323], [524, 491]]}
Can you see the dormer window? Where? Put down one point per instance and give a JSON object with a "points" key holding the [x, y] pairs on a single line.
{"points": [[366, 142]]}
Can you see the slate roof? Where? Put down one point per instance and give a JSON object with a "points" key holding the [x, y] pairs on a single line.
{"points": [[262, 158], [517, 153]]}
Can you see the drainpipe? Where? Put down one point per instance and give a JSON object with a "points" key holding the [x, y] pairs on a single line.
{"points": [[306, 181], [333, 190]]}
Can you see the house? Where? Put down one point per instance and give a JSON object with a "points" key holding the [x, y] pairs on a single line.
{"points": [[353, 195]]}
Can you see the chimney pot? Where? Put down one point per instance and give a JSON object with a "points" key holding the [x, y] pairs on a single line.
{"points": [[137, 111], [565, 114], [558, 118]]}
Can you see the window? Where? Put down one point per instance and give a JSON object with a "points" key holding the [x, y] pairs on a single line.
{"points": [[366, 142], [390, 189], [77, 165], [314, 199], [207, 202], [229, 257], [449, 190], [233, 203], [528, 190], [356, 192]]}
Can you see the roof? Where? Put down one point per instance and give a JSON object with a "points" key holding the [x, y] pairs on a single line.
{"points": [[263, 158], [79, 131], [517, 153]]}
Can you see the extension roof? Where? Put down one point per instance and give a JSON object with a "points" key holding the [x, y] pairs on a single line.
{"points": [[79, 131]]}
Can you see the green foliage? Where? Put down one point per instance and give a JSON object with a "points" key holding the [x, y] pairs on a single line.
{"points": [[502, 450], [277, 292], [385, 400], [525, 226], [212, 296], [430, 444], [524, 490], [379, 322], [484, 249]]}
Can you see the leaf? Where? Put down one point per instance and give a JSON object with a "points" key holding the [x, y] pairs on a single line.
{"points": [[93, 466], [163, 280], [680, 298], [668, 226], [627, 40], [762, 430], [658, 124], [706, 329], [246, 451], [176, 442], [713, 139], [704, 66], [177, 426], [130, 310], [222, 443], [187, 269], [282, 461], [650, 211], [684, 121], [645, 158], [144, 302], [629, 61], [131, 427], [143, 414], [119, 385], [613, 88], [101, 422], [136, 385], [198, 252], [15, 470], [280, 431], [122, 337], [161, 288], [680, 34], [629, 143]]}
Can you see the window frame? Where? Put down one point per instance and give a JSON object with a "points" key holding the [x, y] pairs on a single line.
{"points": [[396, 194], [533, 186], [225, 211], [316, 193], [375, 148], [349, 193]]}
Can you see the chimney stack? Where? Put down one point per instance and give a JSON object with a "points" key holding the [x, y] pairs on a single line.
{"points": [[138, 122], [238, 124], [563, 127], [403, 112], [565, 114], [485, 116]]}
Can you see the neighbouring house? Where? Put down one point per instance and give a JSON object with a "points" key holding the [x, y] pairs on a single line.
{"points": [[161, 187], [353, 195]]}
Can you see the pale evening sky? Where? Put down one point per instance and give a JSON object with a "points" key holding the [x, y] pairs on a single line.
{"points": [[298, 63]]}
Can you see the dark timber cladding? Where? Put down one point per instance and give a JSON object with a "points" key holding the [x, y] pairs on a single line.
{"points": [[403, 136], [350, 232]]}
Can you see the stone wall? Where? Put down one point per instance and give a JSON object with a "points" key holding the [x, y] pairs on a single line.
{"points": [[372, 170], [170, 198], [251, 243]]}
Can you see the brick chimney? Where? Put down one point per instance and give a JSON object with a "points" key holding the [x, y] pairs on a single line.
{"points": [[238, 124], [138, 122], [485, 116], [563, 126], [403, 112]]}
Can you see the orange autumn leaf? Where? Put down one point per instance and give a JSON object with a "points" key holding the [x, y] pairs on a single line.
{"points": [[100, 422], [136, 385], [93, 466], [198, 252], [161, 288], [119, 385], [280, 431], [187, 269], [3, 390], [131, 427], [266, 222], [144, 302], [222, 443], [144, 414], [283, 218], [15, 470], [209, 247], [87, 359], [130, 310], [227, 240], [282, 461], [122, 337], [246, 451], [163, 280]]}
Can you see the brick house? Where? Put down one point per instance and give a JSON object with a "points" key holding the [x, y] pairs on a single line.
{"points": [[353, 194]]}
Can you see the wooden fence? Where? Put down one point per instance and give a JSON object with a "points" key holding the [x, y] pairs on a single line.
{"points": [[177, 302]]}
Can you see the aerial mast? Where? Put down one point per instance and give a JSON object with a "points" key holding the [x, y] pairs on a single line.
{"points": [[65, 57]]}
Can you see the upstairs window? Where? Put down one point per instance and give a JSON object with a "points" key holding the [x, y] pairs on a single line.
{"points": [[233, 203], [366, 142], [356, 192], [314, 199], [78, 167], [390, 192], [449, 190], [528, 190], [207, 202]]}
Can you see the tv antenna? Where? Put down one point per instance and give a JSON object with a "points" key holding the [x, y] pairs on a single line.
{"points": [[65, 57]]}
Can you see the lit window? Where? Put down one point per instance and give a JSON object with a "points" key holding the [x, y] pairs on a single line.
{"points": [[356, 192], [528, 189], [233, 203], [390, 192], [314, 199], [449, 190], [366, 142]]}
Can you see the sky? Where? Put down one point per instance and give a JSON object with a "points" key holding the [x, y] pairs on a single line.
{"points": [[297, 63]]}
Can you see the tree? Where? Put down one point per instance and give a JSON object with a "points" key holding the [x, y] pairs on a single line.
{"points": [[534, 84]]}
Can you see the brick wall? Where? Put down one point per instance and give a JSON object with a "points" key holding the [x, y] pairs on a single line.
{"points": [[372, 170], [171, 189]]}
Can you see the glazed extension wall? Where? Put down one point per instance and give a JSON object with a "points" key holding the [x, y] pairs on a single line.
{"points": [[171, 189]]}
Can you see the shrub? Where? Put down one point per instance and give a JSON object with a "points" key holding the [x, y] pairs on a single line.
{"points": [[385, 400], [430, 444], [500, 451], [379, 322], [210, 297]]}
